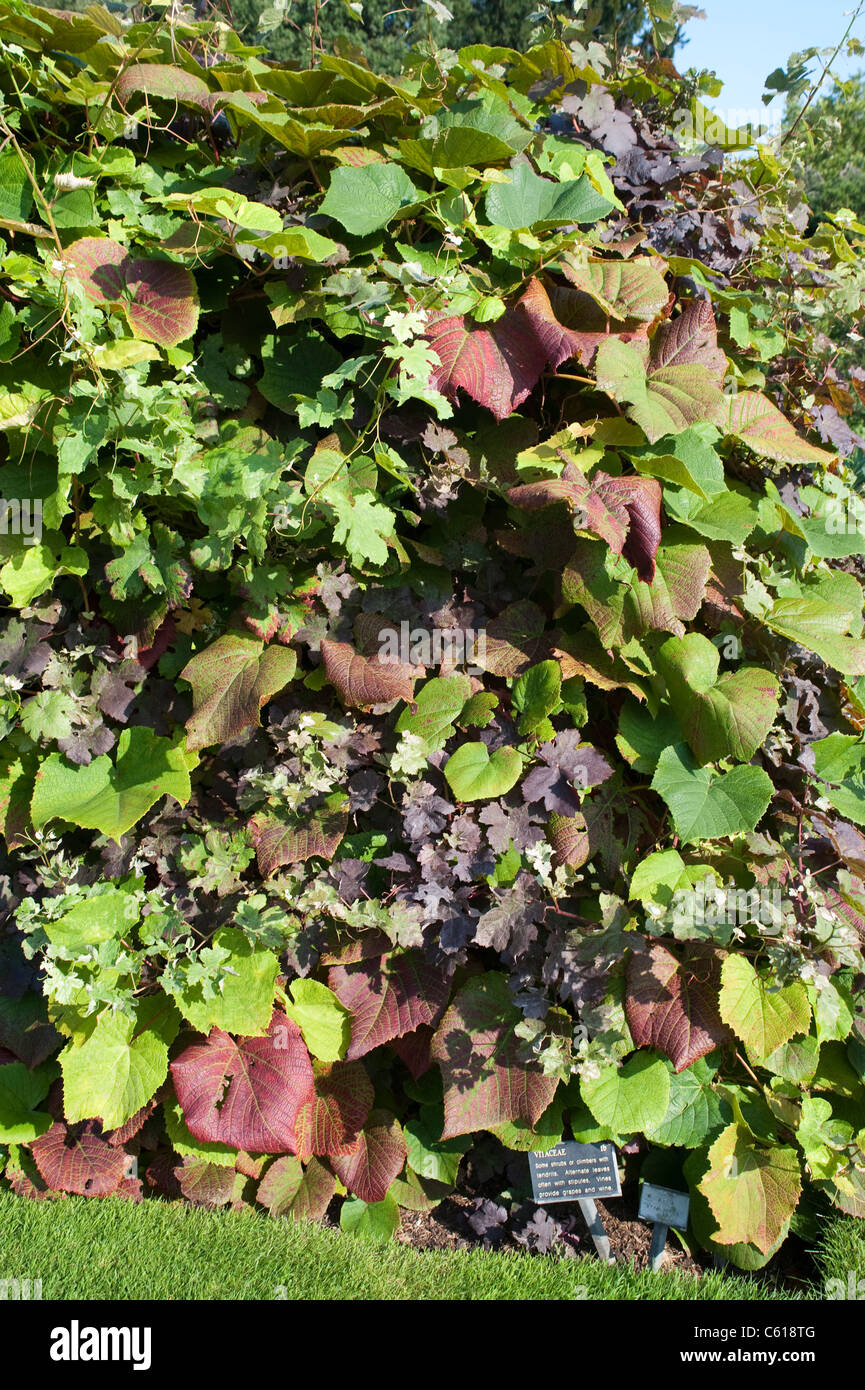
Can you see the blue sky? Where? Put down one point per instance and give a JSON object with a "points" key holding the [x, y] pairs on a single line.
{"points": [[744, 40]]}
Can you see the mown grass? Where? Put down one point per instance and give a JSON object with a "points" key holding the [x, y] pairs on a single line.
{"points": [[111, 1249]]}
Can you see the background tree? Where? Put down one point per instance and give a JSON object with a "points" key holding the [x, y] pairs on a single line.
{"points": [[833, 157], [387, 29]]}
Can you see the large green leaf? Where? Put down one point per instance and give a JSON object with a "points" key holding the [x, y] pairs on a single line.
{"points": [[529, 199], [752, 1191], [729, 516], [365, 199], [243, 1001], [695, 1111], [120, 1065], [721, 716], [642, 738], [536, 694], [705, 805], [324, 1022], [111, 796], [375, 1221], [473, 775], [435, 709], [839, 762], [820, 626], [686, 459], [630, 1099], [21, 1091], [761, 1014], [100, 917]]}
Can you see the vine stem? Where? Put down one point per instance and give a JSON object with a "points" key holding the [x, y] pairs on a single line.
{"points": [[819, 83], [40, 196]]}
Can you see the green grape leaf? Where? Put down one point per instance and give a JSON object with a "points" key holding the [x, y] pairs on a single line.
{"points": [[435, 709], [529, 199], [763, 1016], [111, 796], [536, 694], [120, 1065], [101, 916], [632, 1099], [820, 626], [686, 459], [243, 1003], [695, 1112], [21, 1090], [839, 762], [752, 1191], [366, 199], [375, 1221], [721, 716], [708, 806], [324, 1022], [473, 775]]}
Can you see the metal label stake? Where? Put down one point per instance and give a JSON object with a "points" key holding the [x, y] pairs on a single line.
{"points": [[579, 1173], [665, 1207]]}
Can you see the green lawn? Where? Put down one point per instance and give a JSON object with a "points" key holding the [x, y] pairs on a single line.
{"points": [[113, 1249]]}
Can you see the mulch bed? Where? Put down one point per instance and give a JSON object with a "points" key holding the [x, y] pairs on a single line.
{"points": [[447, 1227]]}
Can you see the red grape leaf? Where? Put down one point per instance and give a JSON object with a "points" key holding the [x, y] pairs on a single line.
{"points": [[692, 338], [581, 654], [672, 1005], [589, 325], [500, 365], [387, 997], [515, 640], [231, 680], [159, 298], [676, 592], [76, 1159], [413, 1049], [618, 297], [758, 422], [329, 1123], [486, 1080], [624, 290], [569, 838], [377, 1158], [161, 80], [625, 512], [292, 839], [122, 1135], [163, 301], [287, 1189], [362, 681], [245, 1093], [206, 1184]]}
